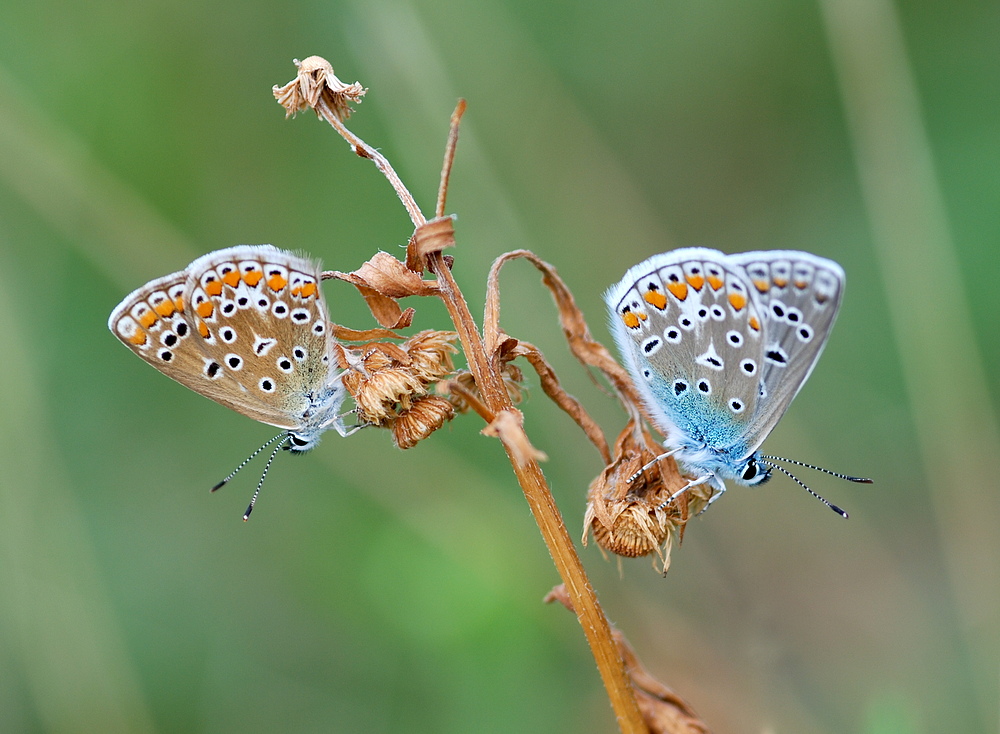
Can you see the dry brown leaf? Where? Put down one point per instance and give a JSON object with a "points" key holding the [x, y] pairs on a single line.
{"points": [[432, 236]]}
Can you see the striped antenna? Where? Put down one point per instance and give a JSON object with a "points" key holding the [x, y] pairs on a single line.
{"points": [[802, 484], [253, 501], [247, 460], [859, 480]]}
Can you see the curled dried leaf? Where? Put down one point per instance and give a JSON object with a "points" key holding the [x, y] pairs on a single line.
{"points": [[431, 236], [383, 280], [314, 81], [629, 511], [425, 415]]}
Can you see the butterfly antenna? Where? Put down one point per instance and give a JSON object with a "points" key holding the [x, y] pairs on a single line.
{"points": [[247, 461], [253, 500], [802, 484], [859, 480]]}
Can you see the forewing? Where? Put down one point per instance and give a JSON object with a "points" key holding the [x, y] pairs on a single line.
{"points": [[153, 321], [691, 330], [800, 295], [263, 325]]}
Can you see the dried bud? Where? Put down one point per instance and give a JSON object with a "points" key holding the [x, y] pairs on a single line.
{"points": [[425, 415], [635, 517], [378, 395], [430, 353], [316, 81]]}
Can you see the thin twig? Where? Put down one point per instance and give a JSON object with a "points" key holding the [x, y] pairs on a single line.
{"points": [[381, 163], [449, 157]]}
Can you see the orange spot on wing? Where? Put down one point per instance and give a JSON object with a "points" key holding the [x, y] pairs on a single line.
{"points": [[761, 285], [205, 309], [801, 284], [655, 299], [165, 308], [179, 303], [213, 288], [680, 290], [696, 281], [138, 338], [148, 319], [754, 323], [203, 330], [276, 282], [252, 278], [631, 320], [231, 278], [715, 282], [781, 282], [307, 290], [737, 301]]}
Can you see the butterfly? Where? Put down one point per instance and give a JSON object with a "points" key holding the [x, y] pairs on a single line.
{"points": [[718, 346], [248, 328]]}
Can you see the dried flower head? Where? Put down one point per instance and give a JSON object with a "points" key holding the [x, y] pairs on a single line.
{"points": [[425, 415], [430, 354], [315, 81], [389, 384], [629, 511]]}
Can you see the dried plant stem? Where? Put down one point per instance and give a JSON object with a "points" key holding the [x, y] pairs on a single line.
{"points": [[526, 468], [550, 523], [381, 163]]}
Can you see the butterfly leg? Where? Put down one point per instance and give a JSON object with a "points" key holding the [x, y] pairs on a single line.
{"points": [[651, 464], [686, 487]]}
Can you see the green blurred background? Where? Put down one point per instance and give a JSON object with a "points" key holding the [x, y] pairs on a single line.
{"points": [[382, 591]]}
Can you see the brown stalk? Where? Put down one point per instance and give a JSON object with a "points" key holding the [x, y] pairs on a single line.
{"points": [[508, 427]]}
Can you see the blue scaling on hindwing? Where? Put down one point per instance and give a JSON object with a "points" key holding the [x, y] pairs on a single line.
{"points": [[719, 345]]}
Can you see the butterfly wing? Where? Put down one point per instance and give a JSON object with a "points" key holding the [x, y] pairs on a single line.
{"points": [[800, 295], [246, 326], [691, 332]]}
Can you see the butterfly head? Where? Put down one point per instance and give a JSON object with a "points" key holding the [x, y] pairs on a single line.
{"points": [[300, 442], [752, 472]]}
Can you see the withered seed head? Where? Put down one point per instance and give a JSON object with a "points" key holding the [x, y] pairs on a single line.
{"points": [[430, 352], [379, 393], [316, 80], [634, 518], [389, 385], [425, 415]]}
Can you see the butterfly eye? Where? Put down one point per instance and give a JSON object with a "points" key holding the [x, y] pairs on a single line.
{"points": [[750, 471]]}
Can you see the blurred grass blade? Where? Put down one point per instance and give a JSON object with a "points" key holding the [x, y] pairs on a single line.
{"points": [[939, 358]]}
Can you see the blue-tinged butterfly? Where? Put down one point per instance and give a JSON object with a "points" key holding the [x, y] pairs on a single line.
{"points": [[718, 346]]}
